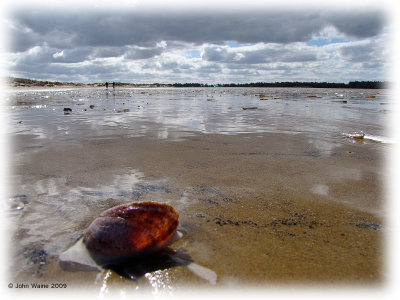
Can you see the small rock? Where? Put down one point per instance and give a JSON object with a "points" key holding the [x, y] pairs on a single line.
{"points": [[67, 110], [123, 110]]}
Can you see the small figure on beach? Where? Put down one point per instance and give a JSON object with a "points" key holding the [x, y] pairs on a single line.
{"points": [[114, 85], [106, 85]]}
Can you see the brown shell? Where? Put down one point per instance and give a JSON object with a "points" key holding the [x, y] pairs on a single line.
{"points": [[129, 230]]}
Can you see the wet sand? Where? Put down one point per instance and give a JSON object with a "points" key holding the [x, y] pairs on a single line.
{"points": [[257, 209], [268, 197]]}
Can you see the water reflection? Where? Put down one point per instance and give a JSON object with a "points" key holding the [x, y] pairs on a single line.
{"points": [[96, 112]]}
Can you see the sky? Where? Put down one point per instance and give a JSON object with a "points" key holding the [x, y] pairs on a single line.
{"points": [[132, 42]]}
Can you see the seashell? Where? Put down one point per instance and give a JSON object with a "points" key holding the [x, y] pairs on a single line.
{"points": [[130, 230]]}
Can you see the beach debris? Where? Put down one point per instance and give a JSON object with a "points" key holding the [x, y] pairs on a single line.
{"points": [[130, 230], [372, 226], [67, 110], [91, 106], [203, 272], [37, 256], [361, 136], [79, 255], [312, 96], [18, 202], [277, 98], [340, 101], [370, 96], [249, 108], [339, 95], [123, 110], [264, 97], [358, 136]]}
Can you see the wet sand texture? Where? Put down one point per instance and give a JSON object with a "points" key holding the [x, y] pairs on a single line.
{"points": [[250, 207]]}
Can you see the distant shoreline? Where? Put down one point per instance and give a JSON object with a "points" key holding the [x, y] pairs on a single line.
{"points": [[23, 84]]}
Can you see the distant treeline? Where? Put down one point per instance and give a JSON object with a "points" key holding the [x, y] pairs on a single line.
{"points": [[350, 85]]}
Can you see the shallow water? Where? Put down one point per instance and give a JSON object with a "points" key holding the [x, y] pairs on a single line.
{"points": [[52, 210], [317, 112]]}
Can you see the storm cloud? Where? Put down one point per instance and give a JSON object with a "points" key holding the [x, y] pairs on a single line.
{"points": [[191, 43], [121, 29]]}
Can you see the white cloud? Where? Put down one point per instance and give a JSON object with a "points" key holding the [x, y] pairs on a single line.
{"points": [[280, 45], [58, 54]]}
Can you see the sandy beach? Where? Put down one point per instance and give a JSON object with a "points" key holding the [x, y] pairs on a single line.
{"points": [[260, 208]]}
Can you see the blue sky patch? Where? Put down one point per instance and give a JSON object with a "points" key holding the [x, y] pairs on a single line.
{"points": [[234, 44], [192, 53], [322, 42]]}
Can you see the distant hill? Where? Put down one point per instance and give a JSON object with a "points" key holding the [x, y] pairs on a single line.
{"points": [[24, 82], [30, 82]]}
